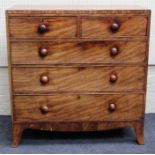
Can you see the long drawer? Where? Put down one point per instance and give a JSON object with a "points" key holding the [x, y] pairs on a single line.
{"points": [[56, 27], [67, 107], [113, 27], [77, 79], [131, 51]]}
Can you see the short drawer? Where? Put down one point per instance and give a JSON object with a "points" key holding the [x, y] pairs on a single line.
{"points": [[113, 27], [132, 51], [66, 107], [57, 27], [77, 79]]}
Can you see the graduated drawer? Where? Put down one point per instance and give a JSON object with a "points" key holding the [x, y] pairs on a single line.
{"points": [[77, 79], [64, 107], [57, 27], [132, 51], [102, 27]]}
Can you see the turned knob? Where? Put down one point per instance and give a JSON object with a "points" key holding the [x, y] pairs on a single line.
{"points": [[115, 26], [114, 51], [44, 109], [112, 107], [113, 78], [43, 52], [42, 28], [44, 79]]}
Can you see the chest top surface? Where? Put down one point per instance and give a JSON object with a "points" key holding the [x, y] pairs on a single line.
{"points": [[73, 9]]}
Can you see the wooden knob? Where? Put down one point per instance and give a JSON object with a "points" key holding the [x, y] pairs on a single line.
{"points": [[44, 79], [44, 109], [115, 26], [43, 52], [114, 51], [42, 28], [113, 78], [112, 107]]}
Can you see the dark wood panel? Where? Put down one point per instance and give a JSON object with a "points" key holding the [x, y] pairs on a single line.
{"points": [[18, 128], [78, 52]]}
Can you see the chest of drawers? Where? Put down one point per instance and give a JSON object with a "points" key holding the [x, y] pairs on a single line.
{"points": [[82, 69]]}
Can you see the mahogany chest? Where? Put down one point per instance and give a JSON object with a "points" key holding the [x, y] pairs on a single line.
{"points": [[78, 69]]}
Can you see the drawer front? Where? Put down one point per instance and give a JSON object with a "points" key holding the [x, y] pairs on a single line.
{"points": [[78, 52], [114, 27], [79, 107], [77, 79], [57, 27]]}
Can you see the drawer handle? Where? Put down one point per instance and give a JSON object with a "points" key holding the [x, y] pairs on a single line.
{"points": [[42, 28], [114, 51], [44, 109], [115, 27], [44, 79], [113, 78], [43, 52], [112, 107]]}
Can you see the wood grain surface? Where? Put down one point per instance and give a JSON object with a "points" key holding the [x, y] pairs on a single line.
{"points": [[79, 107], [77, 79], [101, 27], [131, 51], [78, 70], [60, 27]]}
